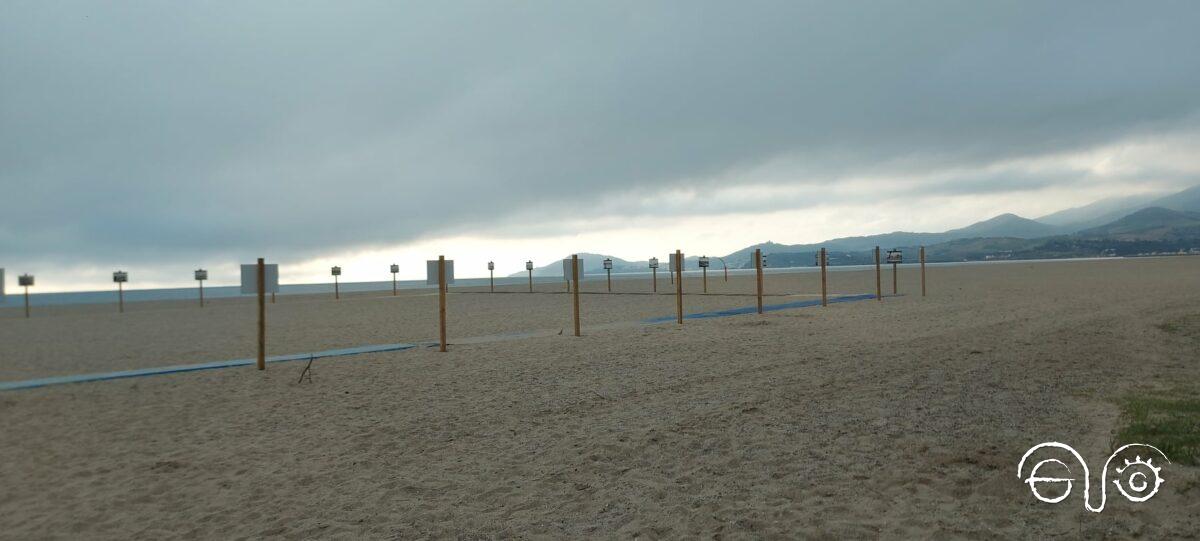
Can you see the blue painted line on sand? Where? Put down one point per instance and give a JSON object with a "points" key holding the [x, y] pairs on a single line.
{"points": [[753, 309], [141, 372], [121, 374]]}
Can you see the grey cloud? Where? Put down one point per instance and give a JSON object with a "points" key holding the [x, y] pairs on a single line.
{"points": [[152, 131]]}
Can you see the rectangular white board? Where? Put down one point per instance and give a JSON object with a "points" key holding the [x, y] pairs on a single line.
{"points": [[567, 269], [671, 263], [431, 275], [250, 278]]}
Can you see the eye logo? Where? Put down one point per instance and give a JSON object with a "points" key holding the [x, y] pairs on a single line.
{"points": [[1138, 480]]}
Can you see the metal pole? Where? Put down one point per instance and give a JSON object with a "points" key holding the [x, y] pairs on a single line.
{"points": [[120, 298], [336, 296], [492, 279], [531, 281], [262, 314], [679, 286], [26, 302], [922, 271], [824, 281], [575, 295], [442, 302], [393, 284], [878, 278], [202, 293], [654, 280], [758, 276]]}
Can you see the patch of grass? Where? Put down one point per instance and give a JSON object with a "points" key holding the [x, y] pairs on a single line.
{"points": [[1185, 326], [1170, 422]]}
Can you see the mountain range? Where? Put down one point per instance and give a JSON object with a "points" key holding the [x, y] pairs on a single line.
{"points": [[1116, 226]]}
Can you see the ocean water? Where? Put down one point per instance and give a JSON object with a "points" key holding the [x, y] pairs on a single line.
{"points": [[15, 296]]}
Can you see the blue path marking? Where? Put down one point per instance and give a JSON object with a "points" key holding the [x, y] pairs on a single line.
{"points": [[753, 309], [82, 378]]}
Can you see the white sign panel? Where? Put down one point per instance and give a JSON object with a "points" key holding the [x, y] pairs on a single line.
{"points": [[250, 278], [567, 269], [671, 263], [431, 274]]}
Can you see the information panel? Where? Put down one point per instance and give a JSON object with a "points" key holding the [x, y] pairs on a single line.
{"points": [[431, 274], [250, 278]]}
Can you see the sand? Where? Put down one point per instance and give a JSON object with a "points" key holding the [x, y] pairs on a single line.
{"points": [[895, 419]]}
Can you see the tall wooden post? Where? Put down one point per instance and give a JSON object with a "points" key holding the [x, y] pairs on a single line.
{"points": [[704, 279], [26, 302], [261, 276], [895, 268], [758, 275], [824, 280], [575, 294], [492, 280], [679, 286], [442, 303], [336, 296], [878, 277], [202, 293], [393, 284], [922, 252], [531, 281], [609, 271], [120, 297]]}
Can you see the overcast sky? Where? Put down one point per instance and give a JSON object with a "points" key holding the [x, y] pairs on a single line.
{"points": [[162, 136]]}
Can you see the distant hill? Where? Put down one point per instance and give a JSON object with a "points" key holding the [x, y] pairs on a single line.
{"points": [[1185, 201], [1098, 213], [1153, 223], [1004, 225], [1108, 210]]}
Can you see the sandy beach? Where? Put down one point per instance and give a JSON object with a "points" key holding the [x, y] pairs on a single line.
{"points": [[895, 419]]}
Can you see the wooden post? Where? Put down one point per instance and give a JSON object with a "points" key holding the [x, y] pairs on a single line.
{"points": [[758, 275], [492, 280], [878, 278], [704, 273], [654, 280], [442, 302], [726, 269], [531, 281], [824, 280], [336, 296], [393, 284], [120, 298], [922, 252], [609, 271], [895, 267], [26, 302], [575, 295], [261, 272], [202, 293], [679, 286]]}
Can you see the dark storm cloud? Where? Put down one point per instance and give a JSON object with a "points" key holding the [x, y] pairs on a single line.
{"points": [[148, 131]]}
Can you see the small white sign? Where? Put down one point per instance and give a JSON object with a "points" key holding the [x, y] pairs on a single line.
{"points": [[395, 268], [567, 269], [431, 274], [250, 278], [25, 280], [895, 256], [671, 263]]}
